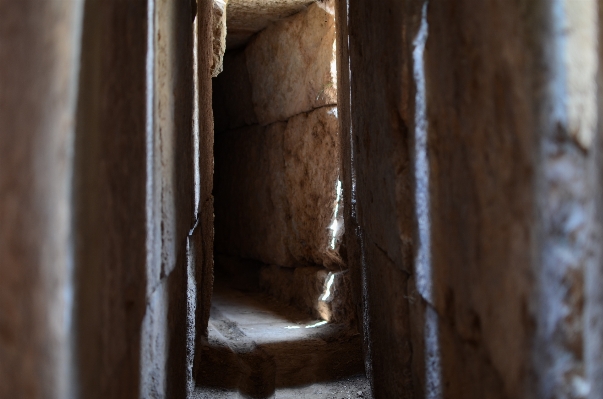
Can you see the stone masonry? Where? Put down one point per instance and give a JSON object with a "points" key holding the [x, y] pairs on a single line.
{"points": [[277, 146]]}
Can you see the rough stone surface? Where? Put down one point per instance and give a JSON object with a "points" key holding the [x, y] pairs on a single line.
{"points": [[276, 191], [593, 311], [73, 245], [250, 194], [202, 240], [507, 305], [482, 195], [110, 148], [291, 65], [257, 344], [351, 245], [351, 388], [247, 17], [232, 103], [306, 288]]}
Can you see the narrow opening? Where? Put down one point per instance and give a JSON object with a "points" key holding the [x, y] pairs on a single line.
{"points": [[281, 312]]}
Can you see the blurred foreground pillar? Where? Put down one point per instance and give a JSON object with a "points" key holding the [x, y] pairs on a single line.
{"points": [[38, 75]]}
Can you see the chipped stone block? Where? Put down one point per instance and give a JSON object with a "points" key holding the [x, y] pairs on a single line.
{"points": [[219, 31], [301, 287], [292, 64], [232, 103], [275, 191]]}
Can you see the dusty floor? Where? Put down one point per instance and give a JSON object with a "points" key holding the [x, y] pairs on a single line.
{"points": [[262, 347], [348, 388]]}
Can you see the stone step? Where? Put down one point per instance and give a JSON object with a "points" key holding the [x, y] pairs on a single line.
{"points": [[256, 345]]}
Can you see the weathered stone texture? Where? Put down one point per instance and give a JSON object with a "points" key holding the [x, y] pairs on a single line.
{"points": [[250, 216], [218, 17], [247, 17], [311, 154], [381, 121], [350, 239], [133, 216], [163, 367], [306, 288], [479, 146], [275, 189], [110, 175], [288, 69], [38, 74], [291, 65]]}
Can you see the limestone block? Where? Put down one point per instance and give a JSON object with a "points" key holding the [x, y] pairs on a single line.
{"points": [[250, 194], [292, 65], [314, 290], [219, 40], [275, 191], [247, 17], [232, 103]]}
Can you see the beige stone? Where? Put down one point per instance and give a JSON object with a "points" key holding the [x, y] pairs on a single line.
{"points": [[276, 191], [314, 290], [219, 41], [292, 65], [247, 17]]}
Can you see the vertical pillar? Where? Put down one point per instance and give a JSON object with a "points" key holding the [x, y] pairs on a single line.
{"points": [[39, 48], [110, 199]]}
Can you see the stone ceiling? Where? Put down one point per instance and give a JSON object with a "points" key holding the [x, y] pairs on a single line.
{"points": [[247, 17]]}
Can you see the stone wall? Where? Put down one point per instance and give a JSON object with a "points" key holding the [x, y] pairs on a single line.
{"points": [[277, 149], [248, 17], [110, 175], [480, 230], [38, 93], [471, 169], [134, 198], [483, 134], [291, 65], [593, 298]]}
